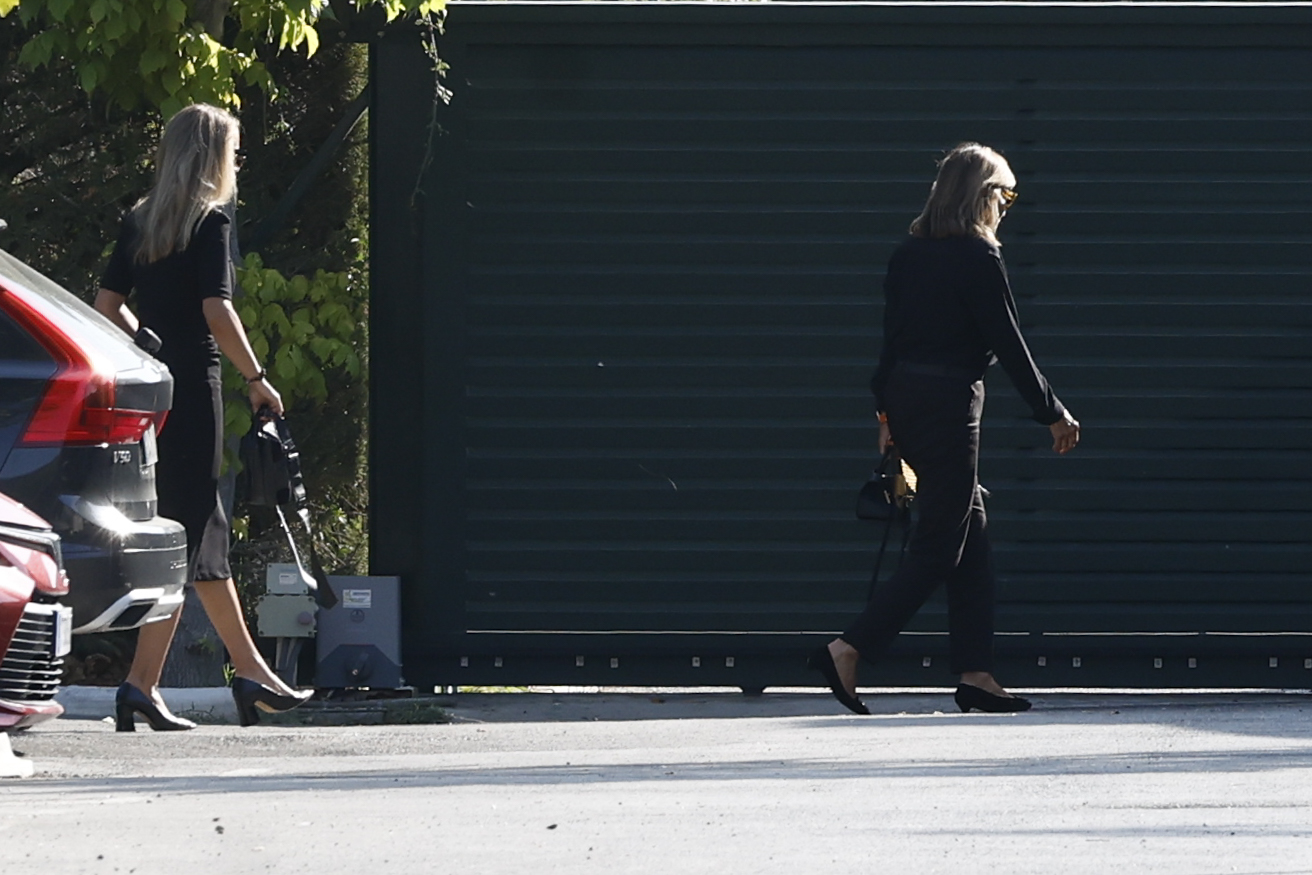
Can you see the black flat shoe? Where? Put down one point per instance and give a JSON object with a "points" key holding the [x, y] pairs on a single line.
{"points": [[252, 698], [129, 701], [969, 697], [822, 660]]}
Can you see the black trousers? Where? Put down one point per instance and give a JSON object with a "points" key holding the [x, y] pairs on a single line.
{"points": [[934, 422]]}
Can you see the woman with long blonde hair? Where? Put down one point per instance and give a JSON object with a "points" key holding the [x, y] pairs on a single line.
{"points": [[173, 258], [948, 315]]}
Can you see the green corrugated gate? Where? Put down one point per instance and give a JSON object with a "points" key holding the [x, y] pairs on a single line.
{"points": [[626, 307]]}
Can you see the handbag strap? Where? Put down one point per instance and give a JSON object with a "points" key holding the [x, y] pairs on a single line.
{"points": [[323, 591], [879, 559], [905, 516]]}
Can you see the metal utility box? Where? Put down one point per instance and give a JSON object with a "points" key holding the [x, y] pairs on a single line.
{"points": [[287, 609], [359, 642]]}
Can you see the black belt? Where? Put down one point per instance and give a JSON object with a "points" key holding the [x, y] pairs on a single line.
{"points": [[924, 370]]}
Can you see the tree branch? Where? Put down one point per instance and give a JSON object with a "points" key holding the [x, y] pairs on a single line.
{"points": [[210, 14], [274, 221]]}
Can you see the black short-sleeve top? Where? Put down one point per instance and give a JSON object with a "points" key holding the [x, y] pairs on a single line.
{"points": [[169, 293]]}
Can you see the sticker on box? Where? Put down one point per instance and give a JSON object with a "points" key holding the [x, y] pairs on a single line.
{"points": [[357, 598]]}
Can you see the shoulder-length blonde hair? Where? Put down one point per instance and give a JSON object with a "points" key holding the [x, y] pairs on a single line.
{"points": [[195, 172], [961, 201]]}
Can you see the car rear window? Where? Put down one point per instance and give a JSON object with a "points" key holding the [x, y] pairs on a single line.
{"points": [[92, 329], [17, 346]]}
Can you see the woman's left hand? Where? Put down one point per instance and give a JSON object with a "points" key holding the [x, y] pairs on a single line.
{"points": [[1065, 434], [264, 395]]}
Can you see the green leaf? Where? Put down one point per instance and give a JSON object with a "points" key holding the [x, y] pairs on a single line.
{"points": [[275, 287], [323, 348], [152, 59], [240, 422], [88, 76], [115, 27], [37, 51], [59, 9], [171, 79], [311, 41], [283, 365]]}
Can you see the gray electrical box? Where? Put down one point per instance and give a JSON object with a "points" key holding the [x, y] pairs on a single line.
{"points": [[287, 609], [359, 640]]}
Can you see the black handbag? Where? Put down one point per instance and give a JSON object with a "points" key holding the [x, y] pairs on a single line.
{"points": [[271, 477], [878, 498], [271, 465], [890, 489], [886, 497]]}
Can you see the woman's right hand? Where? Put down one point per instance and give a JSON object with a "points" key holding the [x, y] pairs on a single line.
{"points": [[1065, 434], [264, 395]]}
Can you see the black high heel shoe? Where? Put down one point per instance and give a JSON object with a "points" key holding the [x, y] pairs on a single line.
{"points": [[968, 697], [130, 701], [822, 660], [253, 697]]}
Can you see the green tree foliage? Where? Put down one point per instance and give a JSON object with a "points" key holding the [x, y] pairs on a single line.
{"points": [[303, 328], [85, 86], [171, 53]]}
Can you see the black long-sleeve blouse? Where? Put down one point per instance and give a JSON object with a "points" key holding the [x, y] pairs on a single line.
{"points": [[947, 303]]}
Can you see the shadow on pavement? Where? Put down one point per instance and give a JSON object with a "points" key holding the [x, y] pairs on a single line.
{"points": [[1255, 759]]}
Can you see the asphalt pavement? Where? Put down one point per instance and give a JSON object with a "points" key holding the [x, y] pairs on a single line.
{"points": [[686, 782]]}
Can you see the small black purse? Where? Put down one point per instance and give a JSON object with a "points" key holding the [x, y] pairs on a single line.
{"points": [[270, 473], [886, 497], [884, 494], [271, 477]]}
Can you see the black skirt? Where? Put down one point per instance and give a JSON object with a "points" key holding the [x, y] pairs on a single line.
{"points": [[187, 476]]}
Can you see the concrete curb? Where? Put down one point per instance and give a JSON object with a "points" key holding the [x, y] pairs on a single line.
{"points": [[214, 705], [202, 704]]}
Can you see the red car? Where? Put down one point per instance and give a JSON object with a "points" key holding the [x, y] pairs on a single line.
{"points": [[35, 630]]}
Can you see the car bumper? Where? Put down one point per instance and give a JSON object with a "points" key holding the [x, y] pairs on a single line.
{"points": [[122, 573], [21, 715]]}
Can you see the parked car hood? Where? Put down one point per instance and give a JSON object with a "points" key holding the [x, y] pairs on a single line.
{"points": [[14, 514]]}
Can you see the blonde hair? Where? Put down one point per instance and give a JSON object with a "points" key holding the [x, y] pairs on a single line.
{"points": [[195, 172], [961, 201]]}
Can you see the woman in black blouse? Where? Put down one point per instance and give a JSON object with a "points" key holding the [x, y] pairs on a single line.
{"points": [[948, 315], [173, 251]]}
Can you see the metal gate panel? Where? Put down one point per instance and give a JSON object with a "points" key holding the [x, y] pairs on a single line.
{"points": [[626, 308]]}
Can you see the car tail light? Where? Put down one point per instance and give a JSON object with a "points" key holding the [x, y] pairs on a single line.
{"points": [[78, 404]]}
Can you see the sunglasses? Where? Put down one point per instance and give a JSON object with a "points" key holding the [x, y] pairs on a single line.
{"points": [[1008, 197], [240, 158]]}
